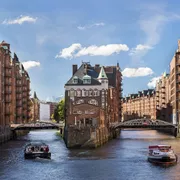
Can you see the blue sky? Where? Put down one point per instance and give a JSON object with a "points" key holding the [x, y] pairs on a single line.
{"points": [[50, 36]]}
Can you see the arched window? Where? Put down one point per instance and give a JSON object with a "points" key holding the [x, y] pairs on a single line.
{"points": [[90, 92], [72, 93], [78, 93], [96, 92], [83, 92]]}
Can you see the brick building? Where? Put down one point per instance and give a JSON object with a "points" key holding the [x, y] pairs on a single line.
{"points": [[92, 103], [14, 91], [140, 105], [35, 108], [53, 106], [163, 105], [175, 85]]}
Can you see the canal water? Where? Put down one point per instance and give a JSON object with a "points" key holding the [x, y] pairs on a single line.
{"points": [[124, 158]]}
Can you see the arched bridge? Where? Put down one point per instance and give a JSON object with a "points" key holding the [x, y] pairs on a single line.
{"points": [[143, 123], [37, 125]]}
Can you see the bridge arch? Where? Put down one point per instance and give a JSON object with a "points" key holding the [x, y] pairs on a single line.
{"points": [[143, 123]]}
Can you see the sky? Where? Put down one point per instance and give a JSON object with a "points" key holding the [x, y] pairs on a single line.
{"points": [[50, 36]]}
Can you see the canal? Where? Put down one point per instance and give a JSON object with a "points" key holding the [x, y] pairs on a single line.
{"points": [[124, 158]]}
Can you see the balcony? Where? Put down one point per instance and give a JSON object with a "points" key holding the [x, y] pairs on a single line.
{"points": [[8, 92], [18, 98], [18, 78], [19, 105], [24, 96], [177, 80], [8, 101], [18, 85], [7, 113], [8, 83], [18, 92], [8, 67], [8, 75]]}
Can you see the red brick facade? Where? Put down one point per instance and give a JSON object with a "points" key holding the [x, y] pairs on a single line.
{"points": [[14, 90]]}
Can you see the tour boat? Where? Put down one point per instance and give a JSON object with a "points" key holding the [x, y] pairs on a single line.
{"points": [[33, 150], [162, 154]]}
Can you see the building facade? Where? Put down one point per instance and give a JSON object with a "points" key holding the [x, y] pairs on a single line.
{"points": [[91, 104], [163, 101], [140, 105], [35, 108], [14, 91], [53, 106], [175, 85]]}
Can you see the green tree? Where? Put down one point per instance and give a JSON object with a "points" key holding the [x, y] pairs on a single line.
{"points": [[59, 111]]}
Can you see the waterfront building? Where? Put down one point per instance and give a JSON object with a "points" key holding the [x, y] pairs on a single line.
{"points": [[53, 106], [140, 105], [35, 108], [163, 105], [92, 103], [14, 91], [175, 85]]}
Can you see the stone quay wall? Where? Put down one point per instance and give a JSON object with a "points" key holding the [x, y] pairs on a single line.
{"points": [[87, 137], [5, 134]]}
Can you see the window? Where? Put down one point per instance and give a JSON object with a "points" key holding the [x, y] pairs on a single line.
{"points": [[86, 81], [80, 101], [96, 93], [93, 101], [75, 81], [83, 93], [103, 99], [90, 93], [78, 93], [72, 93]]}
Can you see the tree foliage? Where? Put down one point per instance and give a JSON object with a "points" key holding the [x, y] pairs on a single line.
{"points": [[59, 111]]}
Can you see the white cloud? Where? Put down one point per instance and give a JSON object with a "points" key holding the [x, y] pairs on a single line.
{"points": [[153, 18], [104, 50], [76, 50], [68, 52], [20, 20], [90, 26], [139, 48], [153, 81], [30, 64], [136, 72]]}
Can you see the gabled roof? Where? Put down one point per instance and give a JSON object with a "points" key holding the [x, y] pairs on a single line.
{"points": [[84, 69], [102, 74]]}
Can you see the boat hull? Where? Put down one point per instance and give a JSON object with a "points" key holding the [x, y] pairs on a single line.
{"points": [[163, 160], [35, 155]]}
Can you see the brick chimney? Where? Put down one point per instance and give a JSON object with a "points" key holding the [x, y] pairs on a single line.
{"points": [[74, 68], [97, 66]]}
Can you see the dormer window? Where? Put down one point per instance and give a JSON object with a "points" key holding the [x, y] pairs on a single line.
{"points": [[75, 80], [87, 79]]}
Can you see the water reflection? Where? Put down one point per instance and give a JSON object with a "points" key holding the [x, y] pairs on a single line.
{"points": [[122, 158]]}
